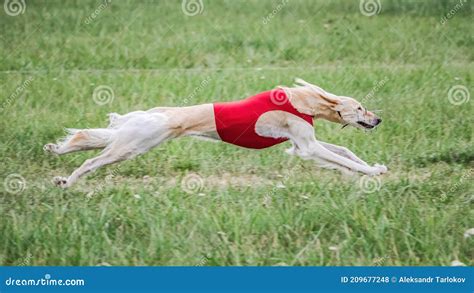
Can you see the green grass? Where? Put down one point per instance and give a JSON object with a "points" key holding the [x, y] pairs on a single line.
{"points": [[253, 207]]}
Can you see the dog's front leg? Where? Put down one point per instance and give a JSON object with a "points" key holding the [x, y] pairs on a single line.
{"points": [[326, 158], [306, 146], [343, 151]]}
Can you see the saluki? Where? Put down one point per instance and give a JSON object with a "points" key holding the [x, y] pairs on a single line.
{"points": [[260, 121]]}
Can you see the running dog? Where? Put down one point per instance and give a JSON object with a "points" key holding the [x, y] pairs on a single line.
{"points": [[260, 121]]}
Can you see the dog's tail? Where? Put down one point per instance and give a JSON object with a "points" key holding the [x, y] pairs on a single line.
{"points": [[114, 119]]}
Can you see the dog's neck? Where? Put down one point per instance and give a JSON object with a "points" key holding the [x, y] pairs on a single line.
{"points": [[306, 101]]}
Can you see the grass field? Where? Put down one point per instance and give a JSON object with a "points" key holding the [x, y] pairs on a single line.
{"points": [[192, 202]]}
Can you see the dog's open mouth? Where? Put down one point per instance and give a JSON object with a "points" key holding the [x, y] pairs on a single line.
{"points": [[365, 125]]}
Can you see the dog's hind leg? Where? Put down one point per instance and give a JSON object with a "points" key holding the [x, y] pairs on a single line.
{"points": [[81, 140], [105, 158], [135, 137]]}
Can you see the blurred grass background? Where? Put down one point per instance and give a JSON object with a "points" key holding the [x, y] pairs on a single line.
{"points": [[252, 207]]}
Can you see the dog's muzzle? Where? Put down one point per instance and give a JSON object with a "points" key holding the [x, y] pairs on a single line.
{"points": [[377, 121]]}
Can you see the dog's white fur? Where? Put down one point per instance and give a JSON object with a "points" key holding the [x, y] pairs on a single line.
{"points": [[137, 132]]}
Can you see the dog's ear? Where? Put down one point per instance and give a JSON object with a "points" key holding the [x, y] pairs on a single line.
{"points": [[332, 99]]}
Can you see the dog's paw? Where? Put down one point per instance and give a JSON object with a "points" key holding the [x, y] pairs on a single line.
{"points": [[50, 148], [382, 168], [378, 169], [60, 181]]}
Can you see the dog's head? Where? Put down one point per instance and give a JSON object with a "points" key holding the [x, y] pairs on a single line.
{"points": [[351, 112], [339, 109]]}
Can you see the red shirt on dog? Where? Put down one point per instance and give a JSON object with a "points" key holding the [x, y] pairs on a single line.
{"points": [[235, 121]]}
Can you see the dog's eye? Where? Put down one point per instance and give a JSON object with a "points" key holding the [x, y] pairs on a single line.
{"points": [[360, 108]]}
